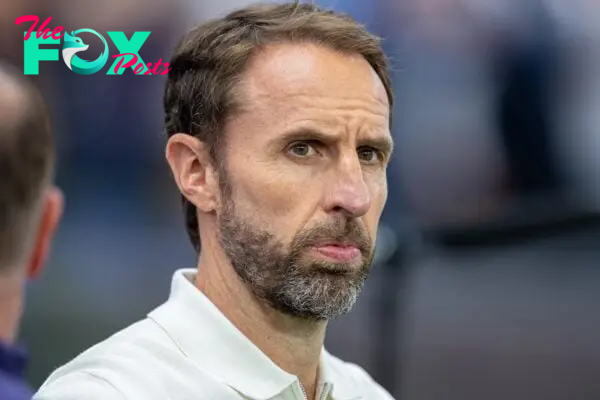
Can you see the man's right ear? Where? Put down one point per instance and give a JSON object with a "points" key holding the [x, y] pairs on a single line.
{"points": [[193, 170]]}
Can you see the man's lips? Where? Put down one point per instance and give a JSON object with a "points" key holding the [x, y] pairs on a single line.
{"points": [[342, 252]]}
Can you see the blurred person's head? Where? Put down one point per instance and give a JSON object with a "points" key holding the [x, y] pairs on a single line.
{"points": [[279, 138], [30, 207]]}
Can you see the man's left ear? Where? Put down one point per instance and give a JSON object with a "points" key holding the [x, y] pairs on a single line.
{"points": [[52, 210]]}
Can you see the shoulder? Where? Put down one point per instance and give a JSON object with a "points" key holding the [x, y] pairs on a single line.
{"points": [[130, 360], [13, 388], [78, 385], [353, 379]]}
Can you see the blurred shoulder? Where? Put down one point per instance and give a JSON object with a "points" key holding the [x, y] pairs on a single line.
{"points": [[350, 379], [13, 387]]}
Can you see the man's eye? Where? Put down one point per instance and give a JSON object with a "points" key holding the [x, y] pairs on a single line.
{"points": [[369, 154], [302, 149]]}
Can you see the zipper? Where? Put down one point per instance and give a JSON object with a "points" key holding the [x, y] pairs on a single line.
{"points": [[303, 391], [324, 392]]}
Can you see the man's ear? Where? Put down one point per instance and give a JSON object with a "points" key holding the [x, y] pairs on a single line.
{"points": [[52, 210], [193, 171]]}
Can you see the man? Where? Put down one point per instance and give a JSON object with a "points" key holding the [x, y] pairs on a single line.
{"points": [[30, 209], [278, 119]]}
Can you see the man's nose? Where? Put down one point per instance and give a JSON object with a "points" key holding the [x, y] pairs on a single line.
{"points": [[348, 192]]}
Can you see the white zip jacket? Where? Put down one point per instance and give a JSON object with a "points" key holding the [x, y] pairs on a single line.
{"points": [[186, 349]]}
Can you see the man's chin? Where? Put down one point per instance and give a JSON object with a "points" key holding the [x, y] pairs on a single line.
{"points": [[325, 294], [321, 269], [314, 314]]}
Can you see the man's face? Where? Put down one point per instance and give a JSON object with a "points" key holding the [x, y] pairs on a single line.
{"points": [[304, 179]]}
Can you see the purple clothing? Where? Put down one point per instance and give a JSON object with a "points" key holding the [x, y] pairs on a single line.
{"points": [[13, 361]]}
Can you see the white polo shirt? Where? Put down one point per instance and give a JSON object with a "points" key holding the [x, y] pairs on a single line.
{"points": [[186, 349]]}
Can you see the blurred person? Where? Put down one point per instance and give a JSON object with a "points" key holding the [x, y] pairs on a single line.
{"points": [[278, 119], [86, 150], [505, 307], [126, 163], [449, 164], [30, 209], [575, 106]]}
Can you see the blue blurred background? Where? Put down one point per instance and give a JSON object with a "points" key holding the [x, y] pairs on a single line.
{"points": [[487, 279]]}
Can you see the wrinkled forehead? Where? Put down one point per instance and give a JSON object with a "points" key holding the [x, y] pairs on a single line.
{"points": [[283, 75]]}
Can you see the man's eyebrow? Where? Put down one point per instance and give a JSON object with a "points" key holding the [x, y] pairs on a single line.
{"points": [[305, 133], [384, 144]]}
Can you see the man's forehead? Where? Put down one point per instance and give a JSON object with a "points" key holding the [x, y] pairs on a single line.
{"points": [[282, 71]]}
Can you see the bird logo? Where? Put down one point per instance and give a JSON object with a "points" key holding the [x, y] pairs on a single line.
{"points": [[73, 45]]}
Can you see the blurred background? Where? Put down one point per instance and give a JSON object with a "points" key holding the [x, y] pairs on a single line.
{"points": [[487, 280]]}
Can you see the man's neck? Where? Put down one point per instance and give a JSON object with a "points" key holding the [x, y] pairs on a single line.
{"points": [[11, 305], [291, 343]]}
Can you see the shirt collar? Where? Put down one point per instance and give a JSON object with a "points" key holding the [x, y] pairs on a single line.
{"points": [[213, 343], [13, 359]]}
